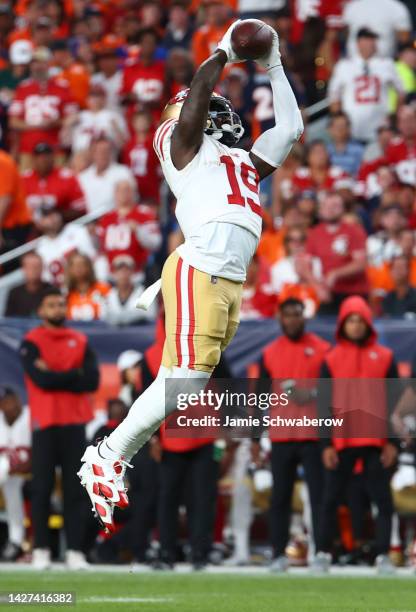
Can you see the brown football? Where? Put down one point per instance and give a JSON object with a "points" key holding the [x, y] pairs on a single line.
{"points": [[251, 39]]}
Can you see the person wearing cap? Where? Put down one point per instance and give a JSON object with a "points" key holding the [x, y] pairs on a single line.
{"points": [[58, 241], [66, 66], [48, 185], [360, 87], [390, 19], [61, 371], [20, 55], [39, 105], [15, 455], [80, 129], [109, 74], [120, 304], [131, 229]]}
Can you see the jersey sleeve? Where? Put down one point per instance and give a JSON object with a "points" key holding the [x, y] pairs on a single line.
{"points": [[161, 140], [336, 83]]}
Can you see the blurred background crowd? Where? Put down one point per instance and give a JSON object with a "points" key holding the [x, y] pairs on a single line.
{"points": [[83, 204]]}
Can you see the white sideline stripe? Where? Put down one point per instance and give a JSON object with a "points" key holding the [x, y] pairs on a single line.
{"points": [[125, 600], [185, 315]]}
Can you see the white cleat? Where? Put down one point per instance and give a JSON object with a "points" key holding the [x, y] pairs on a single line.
{"points": [[321, 563], [280, 565], [41, 559], [75, 560], [384, 566], [103, 480]]}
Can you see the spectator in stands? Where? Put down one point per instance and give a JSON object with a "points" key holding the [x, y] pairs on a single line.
{"points": [[298, 274], [382, 245], [70, 70], [376, 149], [20, 55], [139, 155], [271, 247], [15, 219], [143, 80], [23, 300], [391, 21], [120, 305], [79, 130], [86, 296], [58, 242], [179, 28], [179, 71], [99, 180], [60, 371], [38, 108], [401, 301], [406, 67], [297, 355], [359, 86], [109, 74], [319, 175], [357, 355], [343, 152], [130, 230], [257, 300], [341, 248], [15, 458], [47, 185], [129, 364], [400, 153], [207, 36]]}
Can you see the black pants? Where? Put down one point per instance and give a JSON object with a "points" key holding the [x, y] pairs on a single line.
{"points": [[198, 471], [377, 483], [286, 456], [143, 496], [61, 446]]}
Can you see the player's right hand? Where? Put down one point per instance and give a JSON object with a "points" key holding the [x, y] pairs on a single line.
{"points": [[226, 46], [272, 58]]}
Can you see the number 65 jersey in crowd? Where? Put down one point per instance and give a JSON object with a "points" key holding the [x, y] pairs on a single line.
{"points": [[218, 205]]}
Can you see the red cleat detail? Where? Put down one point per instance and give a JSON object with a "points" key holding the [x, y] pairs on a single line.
{"points": [[98, 470]]}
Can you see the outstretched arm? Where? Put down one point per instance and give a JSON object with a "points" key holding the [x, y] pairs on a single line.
{"points": [[189, 132], [273, 146]]}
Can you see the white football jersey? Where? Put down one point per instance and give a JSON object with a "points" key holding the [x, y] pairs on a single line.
{"points": [[18, 435], [362, 88], [218, 205]]}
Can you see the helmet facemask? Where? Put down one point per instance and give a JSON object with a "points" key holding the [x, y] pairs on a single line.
{"points": [[223, 123]]}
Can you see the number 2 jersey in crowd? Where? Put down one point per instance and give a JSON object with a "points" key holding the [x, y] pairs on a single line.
{"points": [[218, 205]]}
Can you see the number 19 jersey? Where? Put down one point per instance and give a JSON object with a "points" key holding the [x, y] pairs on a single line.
{"points": [[218, 205]]}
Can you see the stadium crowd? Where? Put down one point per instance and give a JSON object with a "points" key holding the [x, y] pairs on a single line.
{"points": [[82, 87]]}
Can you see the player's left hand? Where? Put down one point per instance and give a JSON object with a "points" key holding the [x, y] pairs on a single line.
{"points": [[272, 58], [226, 46]]}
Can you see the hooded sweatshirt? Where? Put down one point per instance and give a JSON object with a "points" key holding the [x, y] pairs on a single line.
{"points": [[357, 392]]}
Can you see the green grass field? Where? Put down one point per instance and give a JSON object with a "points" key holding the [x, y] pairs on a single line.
{"points": [[150, 592]]}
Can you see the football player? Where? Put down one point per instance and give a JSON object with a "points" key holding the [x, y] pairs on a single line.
{"points": [[218, 208]]}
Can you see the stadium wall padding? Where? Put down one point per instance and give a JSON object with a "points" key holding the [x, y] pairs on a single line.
{"points": [[252, 336]]}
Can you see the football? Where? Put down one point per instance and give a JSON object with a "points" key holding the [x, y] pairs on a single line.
{"points": [[251, 39]]}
